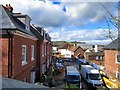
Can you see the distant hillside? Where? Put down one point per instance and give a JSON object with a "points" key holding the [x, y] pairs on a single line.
{"points": [[61, 44]]}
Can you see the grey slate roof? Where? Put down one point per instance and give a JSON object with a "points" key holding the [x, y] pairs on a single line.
{"points": [[8, 83], [36, 31], [6, 21], [114, 45], [10, 22]]}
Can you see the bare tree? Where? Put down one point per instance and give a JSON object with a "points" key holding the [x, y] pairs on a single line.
{"points": [[115, 21]]}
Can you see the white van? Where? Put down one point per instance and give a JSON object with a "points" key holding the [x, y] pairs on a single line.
{"points": [[72, 76], [91, 76]]}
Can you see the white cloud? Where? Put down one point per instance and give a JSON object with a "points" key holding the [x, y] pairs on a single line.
{"points": [[89, 12], [57, 22], [55, 35], [89, 36], [44, 14], [49, 15]]}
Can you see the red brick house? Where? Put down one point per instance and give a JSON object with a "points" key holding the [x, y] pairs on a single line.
{"points": [[22, 44], [44, 49], [95, 57], [77, 51], [66, 46], [112, 59]]}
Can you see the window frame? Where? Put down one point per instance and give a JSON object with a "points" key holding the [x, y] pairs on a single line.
{"points": [[42, 50], [45, 49], [117, 57], [97, 57], [32, 53], [25, 55], [117, 75]]}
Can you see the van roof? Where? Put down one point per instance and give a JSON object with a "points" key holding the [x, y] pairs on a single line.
{"points": [[72, 70], [90, 69]]}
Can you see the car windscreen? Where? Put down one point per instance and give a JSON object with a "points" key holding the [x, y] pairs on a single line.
{"points": [[94, 76], [72, 77]]}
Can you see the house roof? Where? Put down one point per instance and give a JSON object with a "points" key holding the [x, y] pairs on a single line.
{"points": [[10, 22], [73, 48], [66, 46], [12, 83], [114, 45], [59, 44], [36, 31], [94, 53]]}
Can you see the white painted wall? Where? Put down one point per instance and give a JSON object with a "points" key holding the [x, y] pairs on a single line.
{"points": [[54, 48], [66, 53], [96, 48]]}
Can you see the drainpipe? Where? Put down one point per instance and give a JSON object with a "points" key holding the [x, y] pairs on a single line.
{"points": [[10, 40], [38, 61]]}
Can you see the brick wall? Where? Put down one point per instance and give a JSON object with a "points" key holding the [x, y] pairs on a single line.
{"points": [[110, 61], [19, 71], [79, 51], [4, 62]]}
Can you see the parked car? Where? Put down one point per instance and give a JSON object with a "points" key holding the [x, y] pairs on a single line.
{"points": [[59, 65], [91, 76], [73, 77], [68, 59]]}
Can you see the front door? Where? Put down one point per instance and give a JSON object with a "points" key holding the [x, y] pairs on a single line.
{"points": [[32, 77], [43, 68]]}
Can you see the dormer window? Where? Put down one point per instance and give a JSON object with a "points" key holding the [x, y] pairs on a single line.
{"points": [[27, 23], [42, 32], [25, 19]]}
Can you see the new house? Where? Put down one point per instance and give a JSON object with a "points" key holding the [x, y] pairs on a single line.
{"points": [[25, 47], [112, 59]]}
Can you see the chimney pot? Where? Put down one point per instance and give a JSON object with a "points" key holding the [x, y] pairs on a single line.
{"points": [[8, 6]]}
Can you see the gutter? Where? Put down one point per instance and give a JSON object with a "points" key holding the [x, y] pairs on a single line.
{"points": [[10, 41]]}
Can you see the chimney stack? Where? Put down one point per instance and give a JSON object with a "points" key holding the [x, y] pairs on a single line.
{"points": [[8, 6]]}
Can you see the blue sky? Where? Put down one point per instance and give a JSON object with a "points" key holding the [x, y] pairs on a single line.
{"points": [[69, 21]]}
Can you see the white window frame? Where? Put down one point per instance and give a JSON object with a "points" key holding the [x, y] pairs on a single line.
{"points": [[117, 57], [42, 51], [97, 57], [101, 57], [45, 50], [117, 75], [42, 32], [24, 53], [32, 53]]}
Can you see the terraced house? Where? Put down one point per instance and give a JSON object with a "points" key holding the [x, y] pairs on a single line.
{"points": [[112, 59], [26, 49]]}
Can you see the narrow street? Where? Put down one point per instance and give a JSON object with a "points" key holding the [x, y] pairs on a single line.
{"points": [[84, 86], [59, 78]]}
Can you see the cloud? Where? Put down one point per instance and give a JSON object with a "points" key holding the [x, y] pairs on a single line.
{"points": [[87, 12], [52, 15], [89, 36], [44, 14], [64, 24], [47, 16]]}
